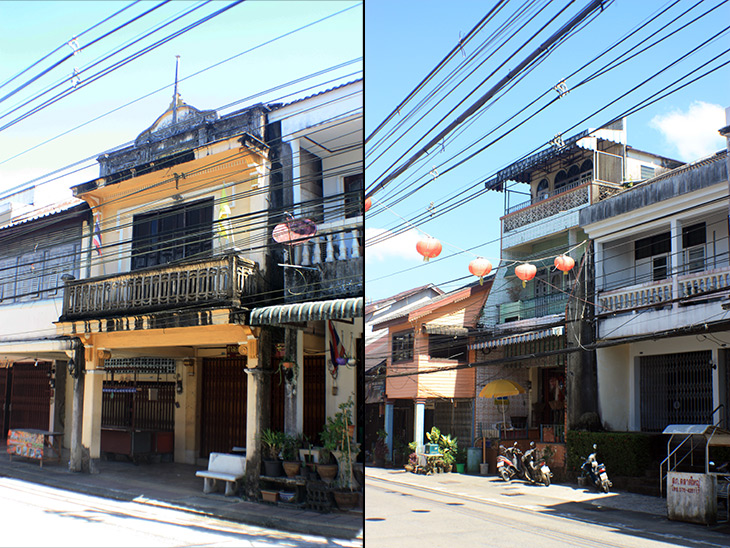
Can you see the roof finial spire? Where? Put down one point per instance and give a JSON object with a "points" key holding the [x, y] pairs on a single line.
{"points": [[174, 95]]}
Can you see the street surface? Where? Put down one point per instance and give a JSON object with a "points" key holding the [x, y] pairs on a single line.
{"points": [[511, 515], [36, 515]]}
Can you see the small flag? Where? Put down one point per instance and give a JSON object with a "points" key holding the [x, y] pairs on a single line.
{"points": [[225, 230], [97, 235], [337, 351]]}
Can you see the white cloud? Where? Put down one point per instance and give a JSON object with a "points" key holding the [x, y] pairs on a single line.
{"points": [[693, 133], [402, 246]]}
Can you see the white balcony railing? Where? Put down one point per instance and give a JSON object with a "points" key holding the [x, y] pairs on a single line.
{"points": [[337, 242], [656, 293]]}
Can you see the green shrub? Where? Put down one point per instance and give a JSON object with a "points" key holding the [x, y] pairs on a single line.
{"points": [[623, 453]]}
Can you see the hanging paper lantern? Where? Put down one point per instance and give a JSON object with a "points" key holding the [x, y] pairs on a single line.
{"points": [[564, 263], [428, 247], [525, 272], [480, 267], [368, 204]]}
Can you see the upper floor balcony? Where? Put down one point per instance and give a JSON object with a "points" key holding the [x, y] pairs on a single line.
{"points": [[222, 281], [677, 290], [571, 196], [544, 305], [330, 265]]}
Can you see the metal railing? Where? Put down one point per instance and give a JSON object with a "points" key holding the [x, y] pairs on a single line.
{"points": [[224, 279]]}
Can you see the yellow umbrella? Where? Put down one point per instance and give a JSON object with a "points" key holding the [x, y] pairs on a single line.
{"points": [[501, 388]]}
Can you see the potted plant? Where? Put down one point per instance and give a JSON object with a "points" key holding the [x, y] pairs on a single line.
{"points": [[345, 495], [290, 454], [288, 369], [272, 441], [380, 450], [327, 467]]}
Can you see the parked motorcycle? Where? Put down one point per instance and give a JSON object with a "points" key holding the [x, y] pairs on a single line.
{"points": [[534, 468], [508, 462], [596, 471]]}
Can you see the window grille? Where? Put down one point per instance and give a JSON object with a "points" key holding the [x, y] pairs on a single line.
{"points": [[675, 389], [455, 418], [402, 346], [162, 366], [647, 172]]}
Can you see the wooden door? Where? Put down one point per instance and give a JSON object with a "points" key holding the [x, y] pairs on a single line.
{"points": [[315, 410], [223, 405], [30, 396]]}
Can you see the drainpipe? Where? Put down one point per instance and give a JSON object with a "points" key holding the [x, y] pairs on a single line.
{"points": [[76, 367]]}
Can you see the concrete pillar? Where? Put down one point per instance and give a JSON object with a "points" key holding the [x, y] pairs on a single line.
{"points": [[259, 353], [418, 423], [91, 431], [389, 429], [675, 259], [77, 403], [290, 391]]}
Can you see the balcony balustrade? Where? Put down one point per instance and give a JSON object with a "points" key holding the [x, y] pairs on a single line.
{"points": [[566, 198], [219, 281], [657, 293], [338, 243], [331, 264]]}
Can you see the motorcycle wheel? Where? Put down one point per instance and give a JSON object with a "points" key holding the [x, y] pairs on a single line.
{"points": [[604, 486], [504, 474], [546, 480]]}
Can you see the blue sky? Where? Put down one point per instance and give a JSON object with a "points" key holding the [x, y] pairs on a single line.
{"points": [[30, 30], [406, 39]]}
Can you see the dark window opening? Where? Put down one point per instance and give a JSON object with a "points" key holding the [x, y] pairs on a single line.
{"points": [[402, 346], [653, 245], [353, 196], [447, 347], [172, 234]]}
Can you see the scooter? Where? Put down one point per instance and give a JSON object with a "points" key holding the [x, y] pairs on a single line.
{"points": [[596, 472], [534, 468], [508, 462]]}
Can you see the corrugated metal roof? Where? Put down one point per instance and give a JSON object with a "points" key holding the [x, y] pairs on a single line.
{"points": [[335, 309], [45, 211], [519, 338]]}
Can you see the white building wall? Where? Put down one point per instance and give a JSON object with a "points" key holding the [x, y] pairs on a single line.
{"points": [[614, 386]]}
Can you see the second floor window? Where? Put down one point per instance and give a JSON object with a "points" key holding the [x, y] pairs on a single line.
{"points": [[402, 346], [651, 256], [172, 234], [447, 347], [353, 195]]}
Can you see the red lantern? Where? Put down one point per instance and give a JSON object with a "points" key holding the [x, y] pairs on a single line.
{"points": [[525, 272], [480, 267], [428, 247], [564, 263], [368, 204]]}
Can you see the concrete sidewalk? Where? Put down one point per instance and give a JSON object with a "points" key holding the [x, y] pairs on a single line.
{"points": [[482, 487], [176, 486]]}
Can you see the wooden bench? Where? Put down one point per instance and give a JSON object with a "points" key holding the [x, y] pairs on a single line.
{"points": [[224, 467]]}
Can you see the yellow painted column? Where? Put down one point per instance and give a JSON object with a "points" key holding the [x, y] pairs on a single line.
{"points": [[93, 381]]}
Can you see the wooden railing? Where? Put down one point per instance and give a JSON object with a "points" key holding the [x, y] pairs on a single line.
{"points": [[222, 280], [656, 293]]}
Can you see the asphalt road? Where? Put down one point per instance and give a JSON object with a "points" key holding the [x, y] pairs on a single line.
{"points": [[413, 516], [36, 515]]}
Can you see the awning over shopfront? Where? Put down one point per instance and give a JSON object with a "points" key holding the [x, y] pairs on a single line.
{"points": [[336, 309], [519, 338]]}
